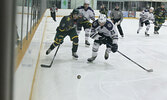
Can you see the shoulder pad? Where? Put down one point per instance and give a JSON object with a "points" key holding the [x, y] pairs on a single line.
{"points": [[95, 24], [146, 10], [90, 9], [80, 7], [109, 25], [67, 18]]}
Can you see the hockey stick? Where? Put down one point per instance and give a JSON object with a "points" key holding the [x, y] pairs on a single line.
{"points": [[148, 70], [48, 66]]}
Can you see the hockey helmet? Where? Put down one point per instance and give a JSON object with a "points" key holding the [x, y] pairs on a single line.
{"points": [[75, 11], [86, 2], [102, 18], [151, 8]]}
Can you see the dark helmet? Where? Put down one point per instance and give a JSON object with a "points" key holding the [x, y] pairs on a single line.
{"points": [[75, 11]]}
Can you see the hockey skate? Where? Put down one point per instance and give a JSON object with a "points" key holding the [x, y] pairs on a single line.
{"points": [[91, 59], [87, 43], [74, 54], [146, 34], [106, 56], [48, 51], [156, 32], [137, 32]]}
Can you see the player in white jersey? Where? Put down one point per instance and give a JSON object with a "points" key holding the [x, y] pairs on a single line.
{"points": [[87, 12], [103, 32], [145, 16]]}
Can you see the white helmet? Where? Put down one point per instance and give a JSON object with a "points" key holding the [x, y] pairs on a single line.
{"points": [[86, 2], [151, 8], [102, 18]]}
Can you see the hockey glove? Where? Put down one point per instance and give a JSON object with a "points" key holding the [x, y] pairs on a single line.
{"points": [[154, 23], [114, 48], [141, 20], [102, 38]]}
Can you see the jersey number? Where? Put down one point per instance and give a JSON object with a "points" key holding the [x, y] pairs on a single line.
{"points": [[112, 32]]}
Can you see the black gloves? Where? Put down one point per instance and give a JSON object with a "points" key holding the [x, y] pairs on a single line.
{"points": [[114, 48]]}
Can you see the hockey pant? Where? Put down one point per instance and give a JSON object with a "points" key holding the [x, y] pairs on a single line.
{"points": [[158, 24], [60, 37], [87, 32], [141, 23], [98, 43]]}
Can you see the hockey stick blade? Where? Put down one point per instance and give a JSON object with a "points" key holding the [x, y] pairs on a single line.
{"points": [[150, 70], [47, 66]]}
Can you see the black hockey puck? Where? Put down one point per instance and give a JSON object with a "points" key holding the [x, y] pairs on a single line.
{"points": [[78, 76]]}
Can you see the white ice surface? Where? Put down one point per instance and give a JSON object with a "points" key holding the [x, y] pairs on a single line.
{"points": [[114, 79]]}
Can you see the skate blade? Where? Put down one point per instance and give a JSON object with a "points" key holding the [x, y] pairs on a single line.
{"points": [[87, 46], [75, 58], [89, 62]]}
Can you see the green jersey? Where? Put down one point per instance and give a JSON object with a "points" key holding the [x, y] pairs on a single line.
{"points": [[68, 23], [160, 13]]}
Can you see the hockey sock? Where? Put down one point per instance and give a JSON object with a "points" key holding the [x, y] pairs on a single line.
{"points": [[87, 31], [147, 29], [53, 46], [95, 49]]}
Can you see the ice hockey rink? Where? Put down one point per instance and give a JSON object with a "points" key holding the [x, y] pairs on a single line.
{"points": [[114, 79]]}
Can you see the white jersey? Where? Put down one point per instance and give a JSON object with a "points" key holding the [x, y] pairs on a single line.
{"points": [[89, 13], [146, 15], [108, 30]]}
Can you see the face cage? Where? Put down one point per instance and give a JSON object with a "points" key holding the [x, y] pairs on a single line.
{"points": [[101, 22], [75, 15]]}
